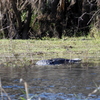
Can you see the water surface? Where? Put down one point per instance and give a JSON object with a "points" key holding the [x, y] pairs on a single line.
{"points": [[51, 83]]}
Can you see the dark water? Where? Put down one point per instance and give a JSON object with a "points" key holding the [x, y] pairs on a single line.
{"points": [[51, 83]]}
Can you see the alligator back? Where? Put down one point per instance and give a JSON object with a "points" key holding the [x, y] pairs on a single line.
{"points": [[57, 61]]}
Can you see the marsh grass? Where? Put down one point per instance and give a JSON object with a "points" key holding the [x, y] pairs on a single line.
{"points": [[26, 92], [90, 94], [2, 91], [95, 32], [78, 97], [26, 52]]}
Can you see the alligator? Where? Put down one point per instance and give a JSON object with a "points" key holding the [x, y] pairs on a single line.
{"points": [[57, 61]]}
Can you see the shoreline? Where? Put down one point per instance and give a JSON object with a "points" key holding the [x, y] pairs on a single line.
{"points": [[28, 51]]}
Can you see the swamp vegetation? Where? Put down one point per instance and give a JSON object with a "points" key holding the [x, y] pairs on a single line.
{"points": [[27, 52], [77, 22], [29, 19], [49, 29]]}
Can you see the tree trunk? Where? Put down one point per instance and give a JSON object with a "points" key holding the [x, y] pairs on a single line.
{"points": [[27, 23]]}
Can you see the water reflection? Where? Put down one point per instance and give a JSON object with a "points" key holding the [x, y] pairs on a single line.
{"points": [[51, 83]]}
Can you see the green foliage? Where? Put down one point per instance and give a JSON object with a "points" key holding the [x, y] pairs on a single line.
{"points": [[1, 36], [94, 32], [23, 16], [34, 25], [33, 17], [69, 0], [22, 98]]}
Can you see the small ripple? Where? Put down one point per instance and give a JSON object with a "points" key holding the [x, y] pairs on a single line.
{"points": [[13, 86], [58, 96]]}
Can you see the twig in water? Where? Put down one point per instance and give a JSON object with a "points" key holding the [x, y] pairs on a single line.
{"points": [[98, 88]]}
